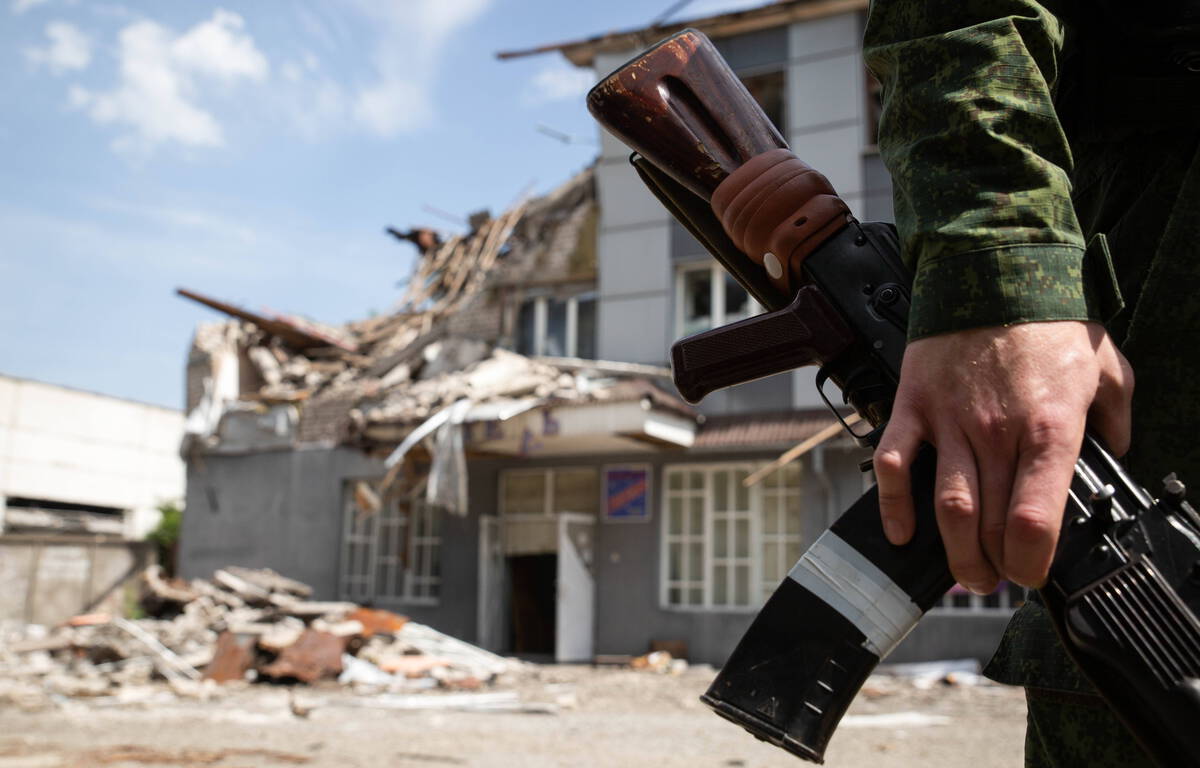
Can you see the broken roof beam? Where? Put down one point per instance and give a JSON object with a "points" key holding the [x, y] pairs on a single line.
{"points": [[582, 53], [298, 333]]}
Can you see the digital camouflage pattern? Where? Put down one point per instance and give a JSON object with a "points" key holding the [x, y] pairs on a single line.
{"points": [[979, 161], [1015, 133], [1067, 731]]}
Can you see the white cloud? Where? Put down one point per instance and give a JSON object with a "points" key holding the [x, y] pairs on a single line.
{"points": [[68, 49], [218, 47], [160, 79], [406, 58], [20, 6], [557, 82]]}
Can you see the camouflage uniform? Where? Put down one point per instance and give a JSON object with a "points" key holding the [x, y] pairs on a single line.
{"points": [[1027, 142]]}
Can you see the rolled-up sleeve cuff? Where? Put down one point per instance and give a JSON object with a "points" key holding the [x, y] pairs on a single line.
{"points": [[1000, 286]]}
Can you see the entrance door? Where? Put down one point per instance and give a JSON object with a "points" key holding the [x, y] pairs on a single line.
{"points": [[490, 616], [575, 614]]}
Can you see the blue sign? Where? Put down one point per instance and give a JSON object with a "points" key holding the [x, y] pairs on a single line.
{"points": [[627, 493]]}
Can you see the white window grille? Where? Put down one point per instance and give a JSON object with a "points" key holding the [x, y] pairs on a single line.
{"points": [[557, 327], [390, 550], [706, 296], [687, 500], [1006, 597], [781, 528], [725, 546]]}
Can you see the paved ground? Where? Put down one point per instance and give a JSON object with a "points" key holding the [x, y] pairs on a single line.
{"points": [[589, 717]]}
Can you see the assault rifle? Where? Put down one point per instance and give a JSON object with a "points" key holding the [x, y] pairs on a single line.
{"points": [[1124, 588]]}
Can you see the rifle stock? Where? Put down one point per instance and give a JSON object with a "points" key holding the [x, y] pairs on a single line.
{"points": [[1124, 589]]}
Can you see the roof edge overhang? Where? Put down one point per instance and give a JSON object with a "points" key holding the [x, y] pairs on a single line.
{"points": [[582, 53]]}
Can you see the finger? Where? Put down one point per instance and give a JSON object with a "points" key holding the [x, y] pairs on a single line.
{"points": [[956, 503], [1111, 412], [995, 489], [892, 463], [1045, 466]]}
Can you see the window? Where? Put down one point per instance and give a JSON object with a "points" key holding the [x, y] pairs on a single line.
{"points": [[781, 533], [391, 549], [1006, 597], [557, 327], [768, 90], [549, 491], [706, 296], [727, 546]]}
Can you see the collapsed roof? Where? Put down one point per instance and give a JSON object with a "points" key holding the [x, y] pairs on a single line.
{"points": [[262, 380]]}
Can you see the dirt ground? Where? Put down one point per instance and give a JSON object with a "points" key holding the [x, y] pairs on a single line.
{"points": [[580, 717]]}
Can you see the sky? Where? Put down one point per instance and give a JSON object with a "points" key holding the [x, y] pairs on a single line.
{"points": [[255, 152]]}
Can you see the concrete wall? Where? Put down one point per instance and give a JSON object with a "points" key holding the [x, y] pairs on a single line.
{"points": [[48, 579], [283, 510], [629, 614], [628, 555], [67, 445]]}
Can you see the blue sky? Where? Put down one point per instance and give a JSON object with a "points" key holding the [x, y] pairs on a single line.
{"points": [[255, 151]]}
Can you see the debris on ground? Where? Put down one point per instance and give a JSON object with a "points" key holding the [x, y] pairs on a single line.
{"points": [[660, 661], [927, 674], [240, 626]]}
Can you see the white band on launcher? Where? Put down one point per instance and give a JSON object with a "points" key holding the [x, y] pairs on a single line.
{"points": [[853, 586]]}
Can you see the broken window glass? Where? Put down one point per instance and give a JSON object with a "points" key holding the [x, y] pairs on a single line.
{"points": [[585, 327], [527, 327], [555, 344], [697, 301]]}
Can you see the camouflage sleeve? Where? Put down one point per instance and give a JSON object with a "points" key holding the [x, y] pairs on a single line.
{"points": [[978, 159]]}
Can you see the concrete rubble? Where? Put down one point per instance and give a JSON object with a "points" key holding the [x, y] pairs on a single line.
{"points": [[241, 626], [413, 377]]}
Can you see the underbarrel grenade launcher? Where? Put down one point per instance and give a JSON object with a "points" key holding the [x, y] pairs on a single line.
{"points": [[1124, 589]]}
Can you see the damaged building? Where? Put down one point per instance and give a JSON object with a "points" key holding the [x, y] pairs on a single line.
{"points": [[504, 457]]}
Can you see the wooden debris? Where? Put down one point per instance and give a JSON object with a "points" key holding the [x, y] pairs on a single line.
{"points": [[281, 635], [163, 589], [251, 593], [267, 579]]}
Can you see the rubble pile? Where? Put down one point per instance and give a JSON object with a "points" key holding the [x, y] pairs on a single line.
{"points": [[240, 625]]}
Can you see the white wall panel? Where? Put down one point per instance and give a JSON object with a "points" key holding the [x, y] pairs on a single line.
{"points": [[624, 199], [636, 261]]}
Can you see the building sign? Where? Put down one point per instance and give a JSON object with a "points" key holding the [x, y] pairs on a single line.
{"points": [[627, 493]]}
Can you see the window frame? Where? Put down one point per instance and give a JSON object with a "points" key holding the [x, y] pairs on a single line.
{"points": [[548, 510], [422, 589], [665, 539], [717, 296], [541, 317]]}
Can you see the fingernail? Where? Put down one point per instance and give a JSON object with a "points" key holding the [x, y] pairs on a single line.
{"points": [[977, 589], [892, 529]]}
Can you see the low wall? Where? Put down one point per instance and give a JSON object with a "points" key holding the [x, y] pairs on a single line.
{"points": [[48, 579]]}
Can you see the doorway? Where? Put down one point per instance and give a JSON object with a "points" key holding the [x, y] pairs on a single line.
{"points": [[534, 584]]}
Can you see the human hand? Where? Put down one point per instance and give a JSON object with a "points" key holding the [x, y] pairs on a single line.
{"points": [[1005, 407]]}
